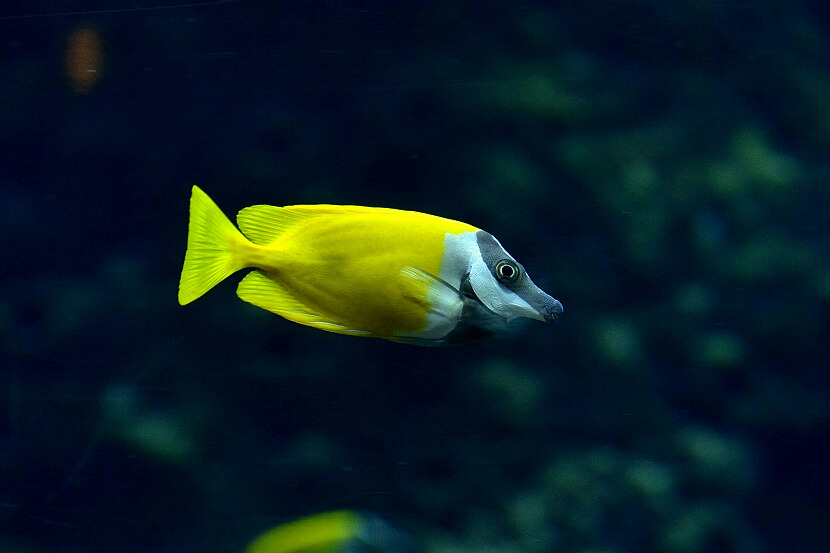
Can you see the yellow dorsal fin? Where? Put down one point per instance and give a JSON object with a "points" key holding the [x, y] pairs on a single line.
{"points": [[330, 209], [262, 224]]}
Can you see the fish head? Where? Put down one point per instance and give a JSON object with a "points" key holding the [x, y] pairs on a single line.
{"points": [[501, 284]]}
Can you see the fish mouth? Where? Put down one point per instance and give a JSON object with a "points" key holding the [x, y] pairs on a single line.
{"points": [[553, 311]]}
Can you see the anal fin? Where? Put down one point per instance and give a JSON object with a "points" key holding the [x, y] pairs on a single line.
{"points": [[260, 290], [257, 289]]}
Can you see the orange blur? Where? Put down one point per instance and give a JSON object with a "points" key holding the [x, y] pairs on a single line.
{"points": [[84, 58]]}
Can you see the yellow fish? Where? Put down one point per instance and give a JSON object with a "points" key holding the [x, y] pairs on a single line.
{"points": [[364, 271], [332, 532]]}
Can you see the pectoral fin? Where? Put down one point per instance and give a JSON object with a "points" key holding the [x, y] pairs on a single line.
{"points": [[435, 295]]}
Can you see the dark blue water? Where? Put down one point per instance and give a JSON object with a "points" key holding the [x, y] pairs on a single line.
{"points": [[660, 168]]}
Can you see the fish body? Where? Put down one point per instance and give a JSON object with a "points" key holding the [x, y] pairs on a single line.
{"points": [[364, 271], [333, 532]]}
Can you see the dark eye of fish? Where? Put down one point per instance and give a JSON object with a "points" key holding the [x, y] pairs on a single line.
{"points": [[507, 272]]}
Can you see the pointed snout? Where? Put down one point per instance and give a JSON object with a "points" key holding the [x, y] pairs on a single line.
{"points": [[553, 309]]}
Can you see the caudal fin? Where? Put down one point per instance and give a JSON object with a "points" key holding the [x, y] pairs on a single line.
{"points": [[211, 248]]}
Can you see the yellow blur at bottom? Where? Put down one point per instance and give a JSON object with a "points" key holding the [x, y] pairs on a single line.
{"points": [[332, 532]]}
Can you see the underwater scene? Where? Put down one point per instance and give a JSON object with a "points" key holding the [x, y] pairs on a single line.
{"points": [[415, 276]]}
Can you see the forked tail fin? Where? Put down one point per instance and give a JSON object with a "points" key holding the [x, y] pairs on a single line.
{"points": [[211, 248]]}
